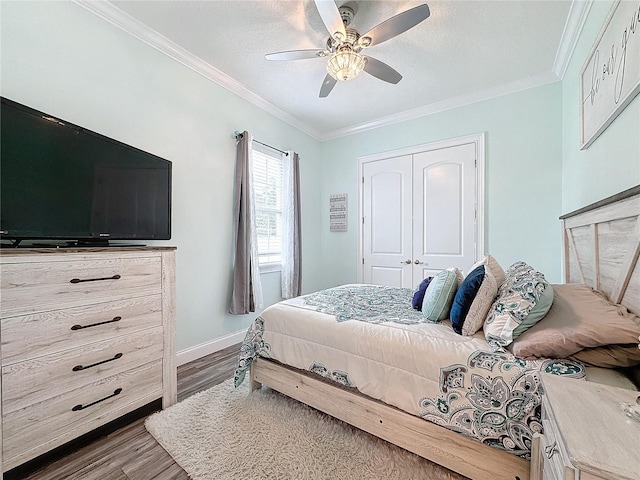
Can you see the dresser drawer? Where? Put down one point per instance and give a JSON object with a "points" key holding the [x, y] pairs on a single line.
{"points": [[34, 335], [86, 337], [35, 380], [56, 420], [30, 287]]}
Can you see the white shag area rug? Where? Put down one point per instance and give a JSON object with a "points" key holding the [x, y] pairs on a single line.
{"points": [[226, 434]]}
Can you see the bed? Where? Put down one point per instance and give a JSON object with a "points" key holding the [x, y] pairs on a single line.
{"points": [[448, 398]]}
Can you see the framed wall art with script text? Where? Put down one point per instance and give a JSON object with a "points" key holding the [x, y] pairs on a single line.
{"points": [[610, 78]]}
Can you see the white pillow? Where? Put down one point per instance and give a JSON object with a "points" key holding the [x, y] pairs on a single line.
{"points": [[493, 278], [493, 266]]}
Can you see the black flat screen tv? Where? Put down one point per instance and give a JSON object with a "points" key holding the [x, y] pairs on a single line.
{"points": [[59, 181]]}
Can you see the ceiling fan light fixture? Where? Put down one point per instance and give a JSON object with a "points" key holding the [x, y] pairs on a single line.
{"points": [[344, 45], [346, 65], [338, 36], [363, 42]]}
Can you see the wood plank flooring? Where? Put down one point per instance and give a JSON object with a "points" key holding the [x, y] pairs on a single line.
{"points": [[130, 452]]}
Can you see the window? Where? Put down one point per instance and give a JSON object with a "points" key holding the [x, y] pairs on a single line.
{"points": [[267, 186]]}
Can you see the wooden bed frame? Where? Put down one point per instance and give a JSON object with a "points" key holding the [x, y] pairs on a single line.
{"points": [[601, 249], [602, 245]]}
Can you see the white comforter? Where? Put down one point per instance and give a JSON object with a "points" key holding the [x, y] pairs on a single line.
{"points": [[369, 337]]}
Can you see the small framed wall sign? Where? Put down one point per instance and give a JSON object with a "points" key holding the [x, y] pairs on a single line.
{"points": [[338, 212], [610, 78]]}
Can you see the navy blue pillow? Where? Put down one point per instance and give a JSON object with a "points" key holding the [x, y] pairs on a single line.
{"points": [[418, 297], [464, 298]]}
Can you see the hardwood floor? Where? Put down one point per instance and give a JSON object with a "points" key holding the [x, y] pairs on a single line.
{"points": [[130, 452]]}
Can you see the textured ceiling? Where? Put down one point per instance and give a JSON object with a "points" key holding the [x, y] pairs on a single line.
{"points": [[463, 48]]}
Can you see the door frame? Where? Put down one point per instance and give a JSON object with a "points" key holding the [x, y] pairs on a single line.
{"points": [[478, 139]]}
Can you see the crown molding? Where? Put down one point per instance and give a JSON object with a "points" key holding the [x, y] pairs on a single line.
{"points": [[461, 101], [578, 13], [112, 14]]}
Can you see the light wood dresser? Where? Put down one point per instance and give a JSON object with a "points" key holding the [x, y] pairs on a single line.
{"points": [[586, 436], [87, 335]]}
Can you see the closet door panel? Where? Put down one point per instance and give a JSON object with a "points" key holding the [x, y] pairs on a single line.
{"points": [[444, 208], [387, 227]]}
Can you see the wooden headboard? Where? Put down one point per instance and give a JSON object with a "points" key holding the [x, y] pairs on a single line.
{"points": [[602, 245]]}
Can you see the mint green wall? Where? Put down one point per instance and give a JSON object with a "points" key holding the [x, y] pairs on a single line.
{"points": [[61, 59], [522, 186], [57, 57], [612, 163]]}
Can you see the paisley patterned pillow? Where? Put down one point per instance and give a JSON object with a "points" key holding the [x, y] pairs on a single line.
{"points": [[517, 296]]}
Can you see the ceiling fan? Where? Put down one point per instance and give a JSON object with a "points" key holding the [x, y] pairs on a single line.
{"points": [[345, 44]]}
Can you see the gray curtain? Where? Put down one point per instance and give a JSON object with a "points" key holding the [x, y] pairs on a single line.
{"points": [[247, 290], [292, 231]]}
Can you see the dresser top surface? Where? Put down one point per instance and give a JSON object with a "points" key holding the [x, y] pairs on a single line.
{"points": [[53, 250], [599, 437]]}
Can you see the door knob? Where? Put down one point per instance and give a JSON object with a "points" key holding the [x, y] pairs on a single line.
{"points": [[407, 261], [418, 262]]}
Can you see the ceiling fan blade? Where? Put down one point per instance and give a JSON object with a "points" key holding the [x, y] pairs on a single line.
{"points": [[295, 55], [331, 17], [381, 70], [398, 24], [327, 85]]}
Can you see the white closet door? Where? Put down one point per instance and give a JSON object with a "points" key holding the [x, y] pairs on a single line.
{"points": [[444, 210], [419, 214], [387, 202]]}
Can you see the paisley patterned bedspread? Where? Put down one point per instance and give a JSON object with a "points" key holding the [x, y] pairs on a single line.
{"points": [[369, 337]]}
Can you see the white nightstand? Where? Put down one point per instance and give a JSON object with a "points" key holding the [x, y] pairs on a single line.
{"points": [[586, 434]]}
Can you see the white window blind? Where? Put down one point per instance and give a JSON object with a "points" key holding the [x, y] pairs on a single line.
{"points": [[267, 185]]}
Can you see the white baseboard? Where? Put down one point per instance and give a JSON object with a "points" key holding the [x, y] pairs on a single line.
{"points": [[193, 353]]}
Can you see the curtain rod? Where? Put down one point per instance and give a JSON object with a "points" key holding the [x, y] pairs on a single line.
{"points": [[239, 135]]}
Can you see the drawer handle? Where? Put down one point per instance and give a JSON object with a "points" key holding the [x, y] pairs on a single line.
{"points": [[79, 327], [80, 280], [117, 391], [77, 368], [551, 450]]}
